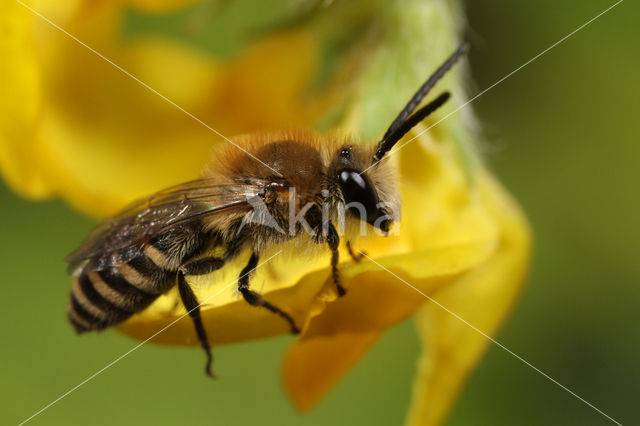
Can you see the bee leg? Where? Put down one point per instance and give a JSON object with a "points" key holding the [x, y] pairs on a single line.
{"points": [[255, 299], [356, 257], [193, 307], [333, 239], [202, 266]]}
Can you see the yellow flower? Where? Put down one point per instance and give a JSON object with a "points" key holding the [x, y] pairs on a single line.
{"points": [[74, 126]]}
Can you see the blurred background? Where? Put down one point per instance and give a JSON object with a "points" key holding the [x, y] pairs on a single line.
{"points": [[561, 134]]}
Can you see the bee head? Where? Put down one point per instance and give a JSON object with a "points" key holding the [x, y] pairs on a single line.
{"points": [[365, 181], [369, 193]]}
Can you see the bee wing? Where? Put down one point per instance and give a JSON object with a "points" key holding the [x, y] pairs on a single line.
{"points": [[120, 238]]}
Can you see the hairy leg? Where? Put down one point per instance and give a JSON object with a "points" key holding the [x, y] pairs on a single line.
{"points": [[193, 307]]}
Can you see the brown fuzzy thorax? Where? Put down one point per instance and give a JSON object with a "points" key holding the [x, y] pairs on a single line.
{"points": [[298, 159]]}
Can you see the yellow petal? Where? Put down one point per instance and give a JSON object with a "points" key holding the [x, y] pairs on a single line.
{"points": [[106, 140], [483, 297], [226, 316], [19, 101], [91, 134], [339, 336]]}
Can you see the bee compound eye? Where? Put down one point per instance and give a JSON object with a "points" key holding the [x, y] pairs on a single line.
{"points": [[359, 194]]}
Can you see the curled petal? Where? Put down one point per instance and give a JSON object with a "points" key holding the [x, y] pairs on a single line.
{"points": [[481, 298]]}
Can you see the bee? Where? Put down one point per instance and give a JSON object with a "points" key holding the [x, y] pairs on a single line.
{"points": [[242, 203]]}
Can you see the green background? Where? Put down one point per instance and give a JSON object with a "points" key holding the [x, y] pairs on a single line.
{"points": [[562, 136]]}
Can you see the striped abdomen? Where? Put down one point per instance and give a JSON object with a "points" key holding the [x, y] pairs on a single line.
{"points": [[103, 298]]}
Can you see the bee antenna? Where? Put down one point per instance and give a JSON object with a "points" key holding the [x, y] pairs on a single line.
{"points": [[405, 121]]}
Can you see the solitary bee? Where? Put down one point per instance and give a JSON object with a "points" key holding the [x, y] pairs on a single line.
{"points": [[242, 203]]}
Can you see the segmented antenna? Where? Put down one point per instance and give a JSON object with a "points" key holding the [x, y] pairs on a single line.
{"points": [[405, 121]]}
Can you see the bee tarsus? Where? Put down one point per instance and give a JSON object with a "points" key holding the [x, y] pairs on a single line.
{"points": [[193, 308], [357, 257], [256, 299]]}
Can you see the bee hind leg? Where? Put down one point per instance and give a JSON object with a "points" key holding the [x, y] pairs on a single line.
{"points": [[255, 299], [190, 302]]}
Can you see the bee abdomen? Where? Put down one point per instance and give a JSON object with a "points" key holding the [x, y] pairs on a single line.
{"points": [[100, 299]]}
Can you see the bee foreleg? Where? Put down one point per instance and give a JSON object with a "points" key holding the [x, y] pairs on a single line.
{"points": [[333, 239], [255, 299], [193, 308], [356, 257]]}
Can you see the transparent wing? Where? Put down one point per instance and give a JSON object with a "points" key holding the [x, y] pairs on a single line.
{"points": [[120, 238]]}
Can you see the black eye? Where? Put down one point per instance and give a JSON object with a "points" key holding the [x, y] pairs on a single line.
{"points": [[358, 192]]}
